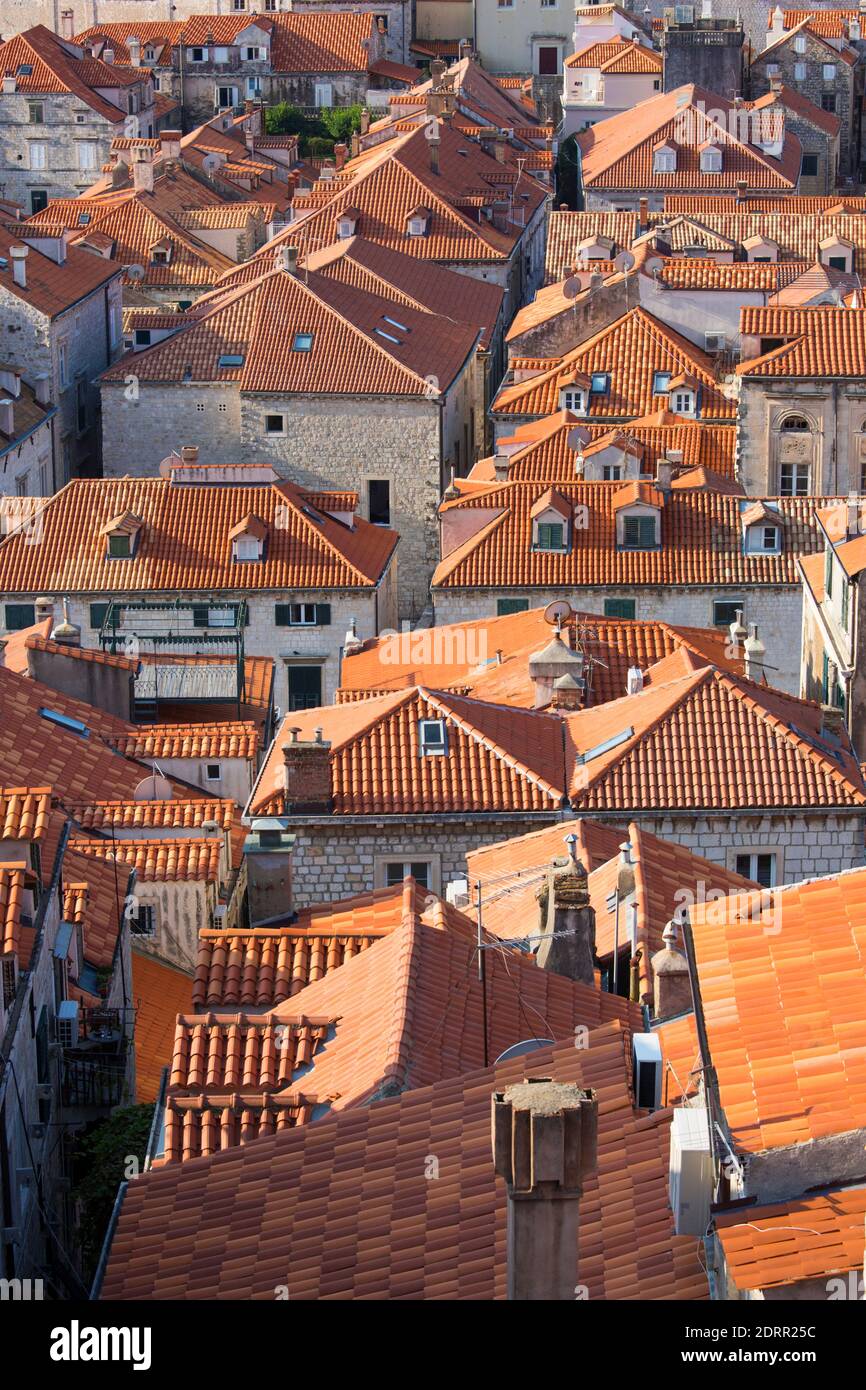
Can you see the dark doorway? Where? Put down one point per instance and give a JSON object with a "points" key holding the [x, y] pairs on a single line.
{"points": [[548, 61], [305, 687], [38, 199]]}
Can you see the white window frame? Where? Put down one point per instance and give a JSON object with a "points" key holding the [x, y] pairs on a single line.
{"points": [[323, 95], [202, 55], [207, 772], [828, 72], [571, 393], [407, 858], [87, 166], [247, 548], [799, 72], [37, 162], [683, 403], [275, 415], [433, 747], [664, 162], [753, 852], [761, 529]]}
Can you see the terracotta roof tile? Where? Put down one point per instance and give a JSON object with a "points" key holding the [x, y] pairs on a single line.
{"points": [[160, 992], [52, 288], [797, 234], [824, 341], [17, 935], [696, 203], [24, 812], [232, 740], [566, 230], [812, 1237], [616, 56], [158, 861], [149, 815], [91, 654], [552, 458], [95, 890], [56, 70]]}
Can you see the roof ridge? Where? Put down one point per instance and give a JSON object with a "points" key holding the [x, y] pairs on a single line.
{"points": [[314, 531], [439, 699]]}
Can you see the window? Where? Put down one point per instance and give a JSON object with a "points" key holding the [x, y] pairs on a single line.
{"points": [[800, 72], [846, 598], [828, 571], [198, 55], [611, 472], [226, 96], [142, 337], [548, 60], [711, 161], [809, 165], [794, 480], [305, 687], [506, 606], [432, 741], [303, 342], [762, 540], [38, 155], [398, 869], [229, 360], [253, 88], [550, 536], [600, 383], [63, 364], [760, 868], [619, 608], [19, 615], [639, 533], [247, 548], [275, 424], [664, 162], [98, 612], [119, 547], [837, 262], [800, 44], [144, 921], [828, 72], [81, 406], [684, 403], [254, 55], [324, 95], [302, 614], [36, 113], [574, 401], [773, 69], [828, 102], [379, 501], [725, 611], [661, 382], [213, 772]]}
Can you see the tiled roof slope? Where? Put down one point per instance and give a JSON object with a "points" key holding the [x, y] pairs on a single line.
{"points": [[696, 203], [701, 542], [239, 739], [158, 861], [56, 69], [616, 56], [24, 812], [52, 288], [304, 549], [177, 814], [631, 349], [489, 657], [101, 885], [552, 458], [798, 236], [618, 152], [388, 1231], [16, 937], [160, 992], [829, 341], [784, 997], [566, 230], [813, 1237], [831, 24], [710, 739], [499, 758], [355, 349]]}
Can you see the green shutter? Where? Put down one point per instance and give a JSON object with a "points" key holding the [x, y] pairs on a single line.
{"points": [[323, 614], [846, 591], [282, 614], [19, 615], [97, 614], [199, 614], [828, 571], [825, 678], [504, 606], [619, 607]]}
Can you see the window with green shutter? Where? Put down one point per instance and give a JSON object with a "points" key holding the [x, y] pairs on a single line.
{"points": [[302, 614], [828, 571], [550, 536], [846, 592], [639, 533], [97, 614], [504, 606], [19, 615], [619, 607]]}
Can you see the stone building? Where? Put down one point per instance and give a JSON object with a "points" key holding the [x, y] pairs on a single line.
{"points": [[818, 131], [327, 384], [289, 571], [61, 316], [833, 659], [823, 69], [604, 78], [60, 111], [703, 50], [26, 437]]}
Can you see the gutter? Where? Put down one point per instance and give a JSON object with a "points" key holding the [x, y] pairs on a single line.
{"points": [[20, 438], [98, 1277]]}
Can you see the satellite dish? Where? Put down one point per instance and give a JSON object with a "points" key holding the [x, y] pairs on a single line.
{"points": [[135, 272], [211, 163], [571, 288], [520, 1049], [153, 788], [558, 612], [624, 261], [653, 264]]}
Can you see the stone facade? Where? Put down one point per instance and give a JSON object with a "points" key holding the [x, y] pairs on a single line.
{"points": [[181, 910], [708, 52], [71, 348], [776, 609], [27, 464], [831, 450], [805, 71]]}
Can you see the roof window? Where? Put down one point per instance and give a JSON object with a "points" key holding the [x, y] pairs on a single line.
{"points": [[303, 342], [605, 747], [432, 738], [231, 359], [74, 726]]}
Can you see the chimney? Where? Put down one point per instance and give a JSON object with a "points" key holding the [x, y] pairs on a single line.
{"points": [[268, 860], [9, 82], [44, 607], [189, 453], [434, 143], [352, 642], [169, 144], [567, 693], [663, 474], [567, 921], [776, 84], [634, 680], [438, 70], [672, 986], [66, 632], [499, 142], [133, 43], [19, 256], [755, 653], [832, 723], [356, 144], [287, 259], [67, 24], [365, 121], [7, 417], [545, 1143], [643, 214], [741, 186], [548, 665], [306, 774], [142, 171], [108, 56], [42, 388], [340, 155], [737, 630]]}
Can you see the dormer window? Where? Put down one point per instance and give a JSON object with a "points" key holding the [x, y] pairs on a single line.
{"points": [[550, 516], [120, 547], [418, 221], [573, 399], [432, 739], [763, 540], [248, 539], [683, 402], [121, 534], [639, 532], [711, 160], [160, 253], [836, 253], [347, 223], [762, 529], [664, 159]]}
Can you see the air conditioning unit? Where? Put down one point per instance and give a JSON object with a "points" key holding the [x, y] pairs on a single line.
{"points": [[690, 1176], [647, 1054], [457, 892], [67, 1023], [714, 342]]}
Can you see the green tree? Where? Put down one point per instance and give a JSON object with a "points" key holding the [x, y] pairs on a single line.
{"points": [[284, 119], [341, 122], [112, 1150]]}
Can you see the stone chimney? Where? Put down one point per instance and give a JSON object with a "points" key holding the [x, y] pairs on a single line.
{"points": [[268, 859], [356, 144], [42, 388], [438, 70], [365, 121], [643, 214], [169, 144], [741, 187], [306, 774], [434, 142], [832, 723], [287, 259], [352, 642], [65, 632], [7, 417], [19, 256], [67, 24], [108, 56], [10, 82], [737, 630], [553, 661], [142, 171], [754, 653], [567, 921], [672, 986], [567, 693], [341, 153], [663, 474], [545, 1144], [500, 140], [189, 453], [133, 43]]}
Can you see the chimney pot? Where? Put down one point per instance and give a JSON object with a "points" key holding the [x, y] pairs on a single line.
{"points": [[672, 988], [7, 417], [189, 453], [567, 922], [19, 256], [41, 388]]}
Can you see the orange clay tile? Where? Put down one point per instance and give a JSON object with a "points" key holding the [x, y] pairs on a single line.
{"points": [[24, 812], [160, 992], [813, 1237], [158, 861]]}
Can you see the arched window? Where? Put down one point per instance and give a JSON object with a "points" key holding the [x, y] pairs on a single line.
{"points": [[794, 422], [795, 458]]}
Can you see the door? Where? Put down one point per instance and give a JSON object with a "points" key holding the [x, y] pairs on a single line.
{"points": [[548, 61], [38, 199], [305, 687]]}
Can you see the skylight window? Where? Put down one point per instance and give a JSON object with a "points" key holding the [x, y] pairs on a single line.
{"points": [[74, 726], [605, 747], [83, 219], [390, 336], [303, 342], [396, 324], [661, 382], [431, 736], [600, 383], [231, 359], [25, 69]]}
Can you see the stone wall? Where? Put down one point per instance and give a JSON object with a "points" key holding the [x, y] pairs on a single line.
{"points": [[777, 609], [813, 86], [835, 446], [181, 910]]}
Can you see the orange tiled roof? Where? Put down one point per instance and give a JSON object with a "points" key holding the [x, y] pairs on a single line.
{"points": [[616, 56], [239, 739], [831, 24], [55, 70], [631, 350], [784, 996], [825, 341], [805, 26], [160, 992], [685, 273], [95, 891], [549, 457], [158, 861], [306, 550], [24, 812], [150, 815], [701, 543], [92, 654], [52, 288], [696, 203], [371, 1159], [618, 152], [798, 236], [812, 1237], [16, 937], [566, 230]]}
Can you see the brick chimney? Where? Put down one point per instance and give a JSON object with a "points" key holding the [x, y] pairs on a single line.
{"points": [[643, 214], [434, 144], [567, 921], [306, 775], [672, 987], [340, 155], [545, 1144]]}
